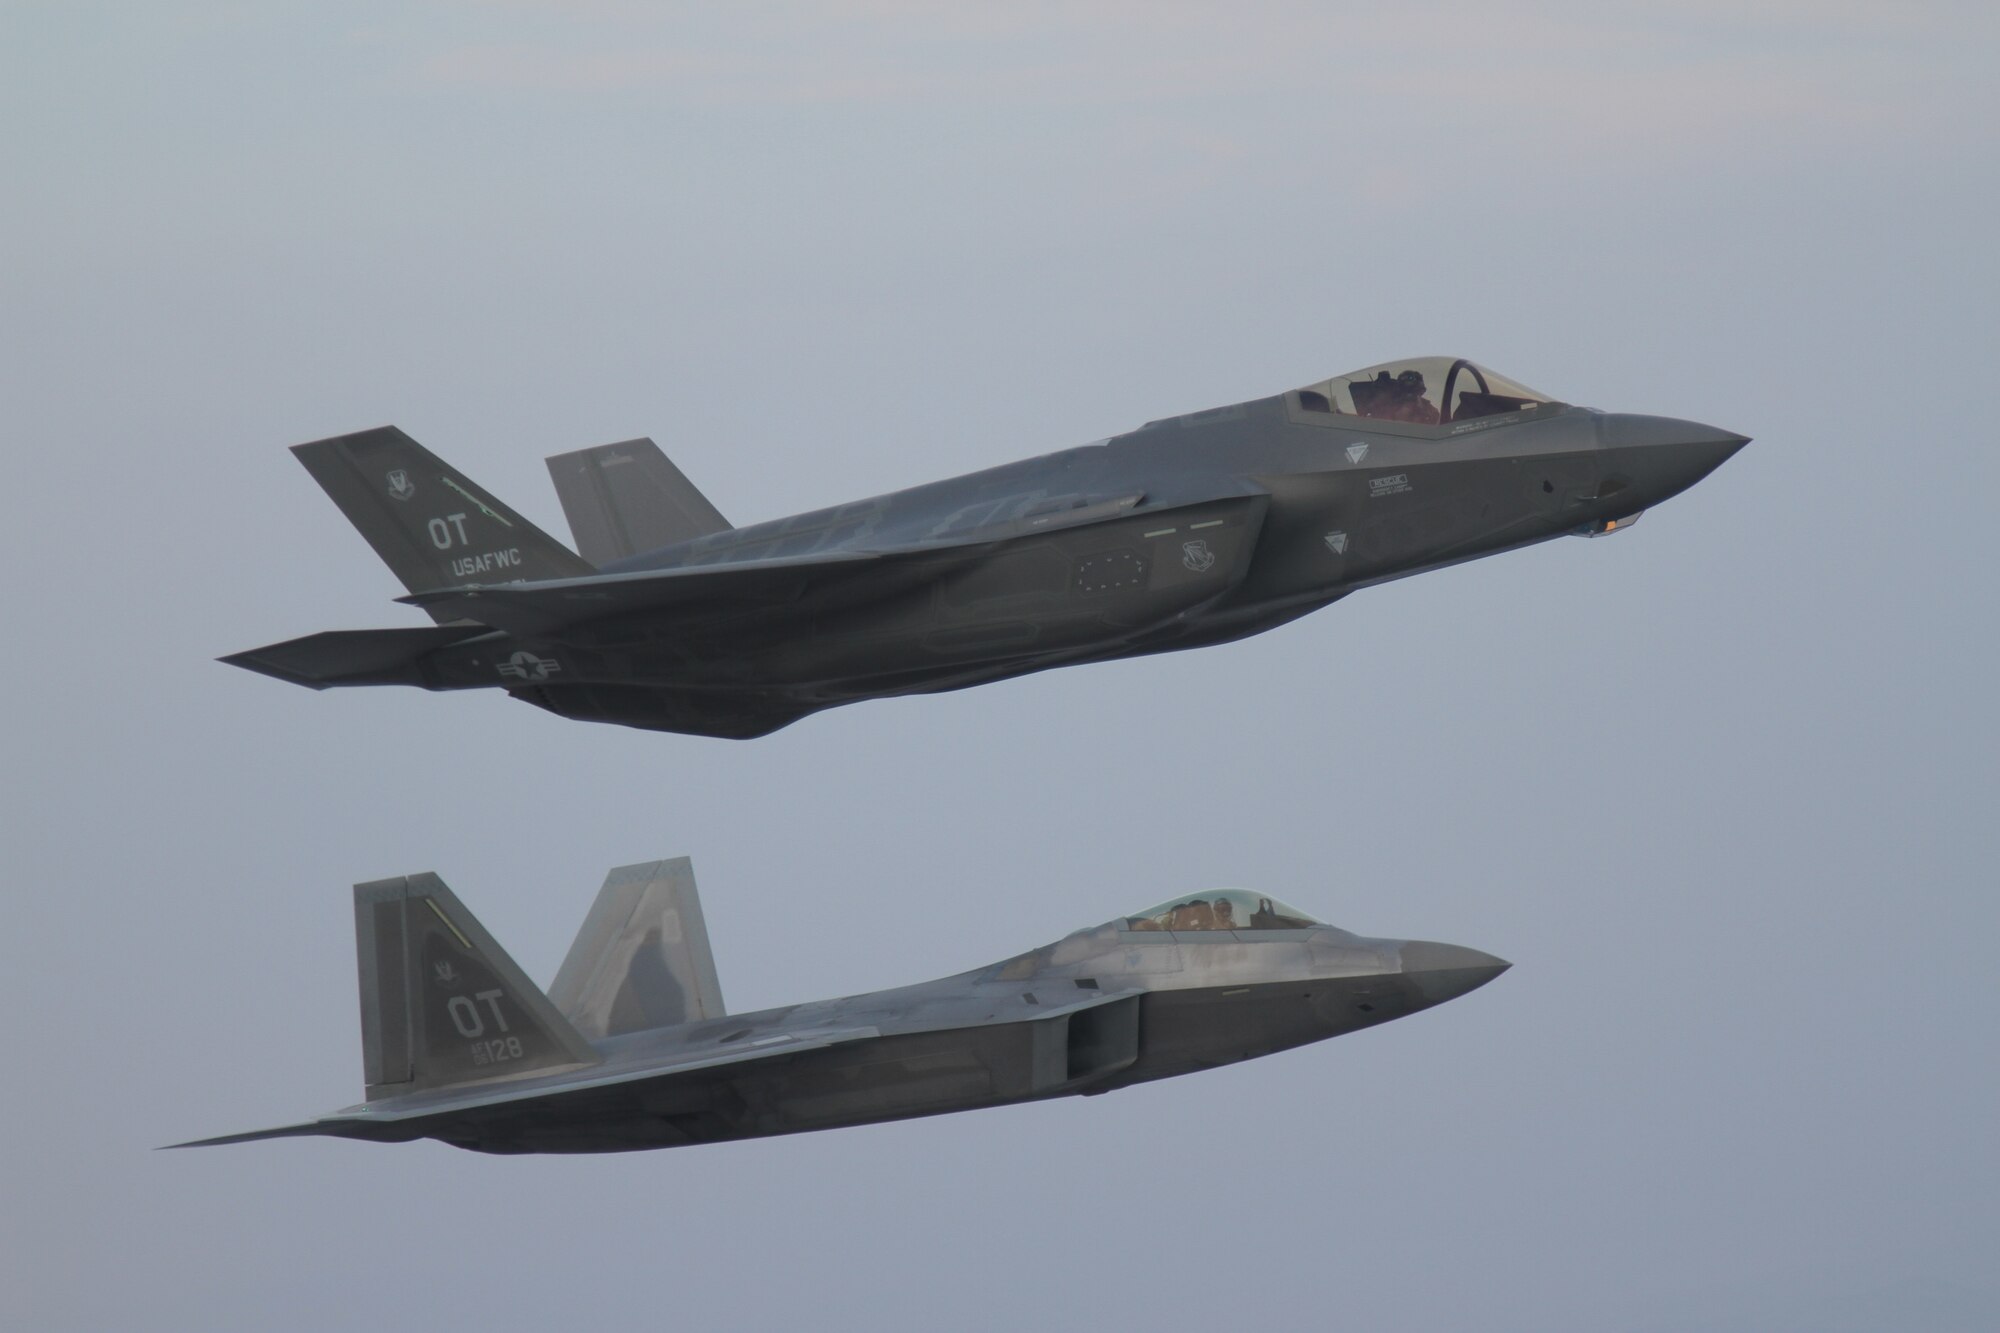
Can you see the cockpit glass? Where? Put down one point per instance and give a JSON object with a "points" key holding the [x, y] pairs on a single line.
{"points": [[1424, 391], [1221, 909]]}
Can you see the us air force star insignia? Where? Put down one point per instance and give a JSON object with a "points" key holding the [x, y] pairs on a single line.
{"points": [[399, 485], [527, 666], [1197, 557], [1356, 452], [1336, 542]]}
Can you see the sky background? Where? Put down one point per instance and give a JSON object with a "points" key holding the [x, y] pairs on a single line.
{"points": [[1722, 787]]}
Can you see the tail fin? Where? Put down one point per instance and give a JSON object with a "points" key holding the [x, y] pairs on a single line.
{"points": [[431, 525], [622, 499], [641, 959], [441, 1003]]}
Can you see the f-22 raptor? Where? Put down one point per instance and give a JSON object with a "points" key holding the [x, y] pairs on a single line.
{"points": [[1189, 531], [632, 1048]]}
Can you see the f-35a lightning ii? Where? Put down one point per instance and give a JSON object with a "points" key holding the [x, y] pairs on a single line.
{"points": [[1189, 531], [631, 1048]]}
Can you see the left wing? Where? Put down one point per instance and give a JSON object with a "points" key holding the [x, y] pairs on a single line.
{"points": [[548, 605], [1213, 537], [400, 1119]]}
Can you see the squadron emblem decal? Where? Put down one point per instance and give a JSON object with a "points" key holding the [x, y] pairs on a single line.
{"points": [[1197, 557], [400, 486]]}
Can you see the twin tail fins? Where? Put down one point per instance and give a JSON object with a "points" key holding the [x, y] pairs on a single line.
{"points": [[443, 1006]]}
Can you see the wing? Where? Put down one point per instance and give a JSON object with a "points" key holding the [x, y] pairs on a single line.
{"points": [[544, 607], [402, 1119], [1214, 537]]}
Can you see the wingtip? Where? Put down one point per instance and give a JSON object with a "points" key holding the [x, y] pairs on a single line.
{"points": [[309, 1127]]}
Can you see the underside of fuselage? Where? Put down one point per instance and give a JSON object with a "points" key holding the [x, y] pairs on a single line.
{"points": [[737, 713]]}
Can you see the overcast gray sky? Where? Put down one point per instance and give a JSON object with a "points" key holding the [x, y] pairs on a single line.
{"points": [[1722, 787]]}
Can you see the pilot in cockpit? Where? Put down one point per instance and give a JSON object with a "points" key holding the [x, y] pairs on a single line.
{"points": [[1394, 398]]}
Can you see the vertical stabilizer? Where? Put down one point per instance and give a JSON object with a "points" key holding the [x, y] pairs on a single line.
{"points": [[431, 524], [625, 498], [441, 1002], [641, 959]]}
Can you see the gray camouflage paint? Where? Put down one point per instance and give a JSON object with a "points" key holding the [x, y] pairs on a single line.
{"points": [[1189, 531], [460, 1047]]}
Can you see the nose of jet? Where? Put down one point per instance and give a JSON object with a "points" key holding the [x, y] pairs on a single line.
{"points": [[1443, 972], [1664, 455]]}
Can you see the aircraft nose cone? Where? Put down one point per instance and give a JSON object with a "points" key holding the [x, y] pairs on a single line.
{"points": [[1668, 455], [1443, 972]]}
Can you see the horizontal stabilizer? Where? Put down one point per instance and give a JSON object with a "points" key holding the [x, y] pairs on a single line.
{"points": [[626, 498], [354, 656], [641, 959]]}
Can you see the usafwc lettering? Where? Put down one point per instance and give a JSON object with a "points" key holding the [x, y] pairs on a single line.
{"points": [[465, 566]]}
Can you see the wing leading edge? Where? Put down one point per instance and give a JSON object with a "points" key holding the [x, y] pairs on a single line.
{"points": [[547, 606], [551, 604]]}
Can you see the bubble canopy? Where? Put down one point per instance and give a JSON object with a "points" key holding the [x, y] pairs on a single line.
{"points": [[1221, 909], [1422, 391]]}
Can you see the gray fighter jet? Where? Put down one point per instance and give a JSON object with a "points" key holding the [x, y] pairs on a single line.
{"points": [[631, 1048], [1189, 531]]}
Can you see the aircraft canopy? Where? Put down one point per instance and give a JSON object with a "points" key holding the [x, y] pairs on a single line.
{"points": [[1221, 909], [1422, 390]]}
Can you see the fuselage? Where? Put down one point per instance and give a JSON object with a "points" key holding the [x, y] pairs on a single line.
{"points": [[1099, 1010], [1191, 530]]}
